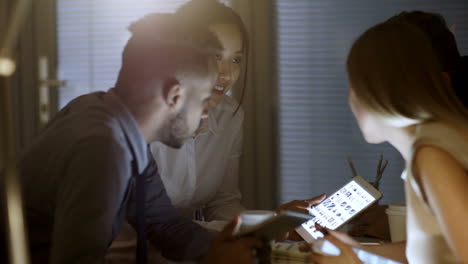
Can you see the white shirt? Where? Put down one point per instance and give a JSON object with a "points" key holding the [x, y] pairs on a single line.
{"points": [[204, 172]]}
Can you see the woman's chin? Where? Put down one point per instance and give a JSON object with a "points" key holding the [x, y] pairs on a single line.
{"points": [[374, 140]]}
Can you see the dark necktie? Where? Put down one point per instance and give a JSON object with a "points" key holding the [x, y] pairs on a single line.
{"points": [[141, 252]]}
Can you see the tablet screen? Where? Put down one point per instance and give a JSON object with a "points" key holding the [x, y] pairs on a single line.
{"points": [[338, 208]]}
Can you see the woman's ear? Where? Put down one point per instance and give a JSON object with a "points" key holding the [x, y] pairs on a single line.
{"points": [[172, 93], [447, 80]]}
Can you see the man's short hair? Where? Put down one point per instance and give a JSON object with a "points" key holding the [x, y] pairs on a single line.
{"points": [[162, 46]]}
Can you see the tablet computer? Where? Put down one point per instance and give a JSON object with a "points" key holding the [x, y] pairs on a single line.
{"points": [[339, 208]]}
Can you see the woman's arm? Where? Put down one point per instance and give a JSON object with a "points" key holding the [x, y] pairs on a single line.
{"points": [[395, 251], [445, 183]]}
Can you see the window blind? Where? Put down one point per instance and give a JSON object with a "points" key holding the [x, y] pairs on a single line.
{"points": [[91, 35], [317, 130]]}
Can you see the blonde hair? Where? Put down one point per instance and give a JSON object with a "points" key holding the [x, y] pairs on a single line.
{"points": [[394, 72]]}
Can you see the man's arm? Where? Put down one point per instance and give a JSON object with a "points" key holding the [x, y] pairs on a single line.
{"points": [[88, 198]]}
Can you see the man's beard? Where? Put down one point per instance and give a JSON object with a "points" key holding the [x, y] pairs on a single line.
{"points": [[175, 131]]}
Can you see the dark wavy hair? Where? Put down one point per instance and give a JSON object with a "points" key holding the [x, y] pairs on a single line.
{"points": [[443, 42]]}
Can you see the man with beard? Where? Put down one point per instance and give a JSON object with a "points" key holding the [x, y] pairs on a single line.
{"points": [[91, 168]]}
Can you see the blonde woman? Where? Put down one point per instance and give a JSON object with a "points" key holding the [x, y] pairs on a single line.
{"points": [[399, 95]]}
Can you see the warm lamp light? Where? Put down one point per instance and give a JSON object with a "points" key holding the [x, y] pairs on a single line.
{"points": [[7, 65], [17, 239]]}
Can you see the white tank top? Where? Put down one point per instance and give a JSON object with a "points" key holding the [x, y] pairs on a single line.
{"points": [[425, 241]]}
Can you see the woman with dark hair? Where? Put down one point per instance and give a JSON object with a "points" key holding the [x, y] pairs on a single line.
{"points": [[201, 177]]}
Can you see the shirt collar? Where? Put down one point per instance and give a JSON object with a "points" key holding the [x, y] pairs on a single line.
{"points": [[137, 142], [208, 125], [212, 122]]}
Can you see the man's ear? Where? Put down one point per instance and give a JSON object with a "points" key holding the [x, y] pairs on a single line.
{"points": [[172, 93]]}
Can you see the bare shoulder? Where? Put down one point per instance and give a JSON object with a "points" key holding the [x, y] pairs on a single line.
{"points": [[436, 165], [427, 157], [429, 152]]}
